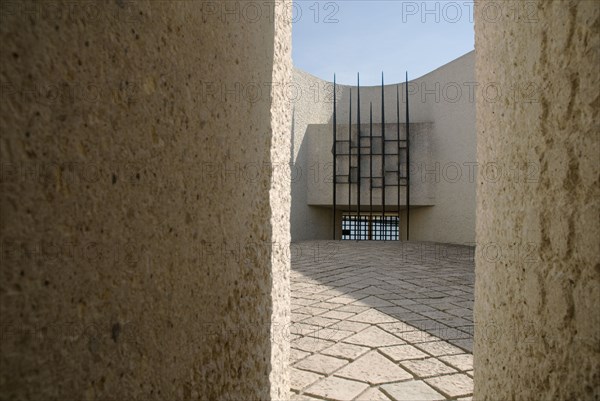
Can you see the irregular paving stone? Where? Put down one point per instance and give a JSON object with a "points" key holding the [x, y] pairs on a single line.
{"points": [[466, 344], [431, 326], [311, 344], [320, 321], [413, 390], [372, 394], [405, 316], [343, 299], [352, 308], [308, 289], [297, 317], [452, 385], [302, 328], [419, 308], [460, 312], [311, 310], [396, 327], [437, 315], [326, 305], [321, 364], [374, 368], [335, 314], [372, 290], [439, 348], [427, 367], [374, 337], [300, 378], [349, 326], [469, 329], [302, 301], [331, 334], [303, 397], [403, 302], [372, 301], [336, 388], [372, 316], [296, 355], [450, 333], [454, 322], [417, 336], [461, 362], [393, 310], [343, 350], [403, 352]]}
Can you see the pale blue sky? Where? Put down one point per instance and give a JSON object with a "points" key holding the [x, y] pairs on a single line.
{"points": [[350, 36]]}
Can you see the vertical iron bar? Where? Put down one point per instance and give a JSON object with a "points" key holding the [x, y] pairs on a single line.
{"points": [[398, 146], [350, 154], [370, 169], [383, 156], [407, 163], [358, 156], [334, 157]]}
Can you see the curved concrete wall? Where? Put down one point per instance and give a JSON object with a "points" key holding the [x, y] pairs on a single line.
{"points": [[134, 266], [446, 98], [538, 260]]}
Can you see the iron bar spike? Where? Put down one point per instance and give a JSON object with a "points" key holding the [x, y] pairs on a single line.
{"points": [[407, 162], [334, 157], [370, 169], [398, 151], [383, 158], [350, 155], [358, 157]]}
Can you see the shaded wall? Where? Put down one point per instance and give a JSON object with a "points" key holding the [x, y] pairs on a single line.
{"points": [[538, 259], [138, 261]]}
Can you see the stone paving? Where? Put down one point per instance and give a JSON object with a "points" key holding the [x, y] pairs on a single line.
{"points": [[381, 321]]}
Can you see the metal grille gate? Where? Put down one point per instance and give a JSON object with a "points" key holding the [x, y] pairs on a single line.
{"points": [[352, 148]]}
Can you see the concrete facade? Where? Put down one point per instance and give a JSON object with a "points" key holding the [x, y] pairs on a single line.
{"points": [[442, 171], [133, 267], [538, 260]]}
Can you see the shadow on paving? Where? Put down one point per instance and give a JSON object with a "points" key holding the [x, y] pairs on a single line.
{"points": [[384, 321], [428, 286]]}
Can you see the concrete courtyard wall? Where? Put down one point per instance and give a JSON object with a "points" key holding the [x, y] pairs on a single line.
{"points": [[444, 97], [133, 265], [537, 291]]}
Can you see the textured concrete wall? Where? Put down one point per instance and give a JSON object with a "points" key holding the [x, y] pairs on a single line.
{"points": [[444, 97], [137, 251], [538, 259], [312, 104]]}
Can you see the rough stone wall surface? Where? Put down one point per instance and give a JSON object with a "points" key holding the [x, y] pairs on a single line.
{"points": [[137, 250], [280, 200], [538, 258]]}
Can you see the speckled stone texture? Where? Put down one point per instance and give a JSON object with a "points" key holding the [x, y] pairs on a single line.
{"points": [[537, 287], [143, 251]]}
